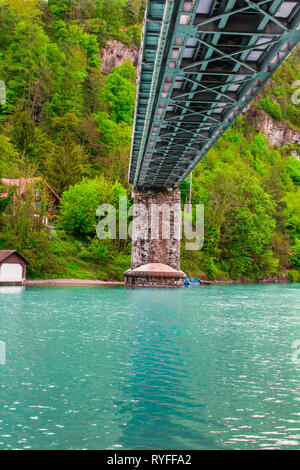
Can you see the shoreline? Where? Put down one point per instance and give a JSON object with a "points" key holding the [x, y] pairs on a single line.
{"points": [[72, 282], [240, 282], [92, 283]]}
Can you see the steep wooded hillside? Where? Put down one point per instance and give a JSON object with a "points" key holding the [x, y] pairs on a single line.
{"points": [[70, 78]]}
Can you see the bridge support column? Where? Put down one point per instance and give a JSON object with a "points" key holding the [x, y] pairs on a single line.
{"points": [[156, 232]]}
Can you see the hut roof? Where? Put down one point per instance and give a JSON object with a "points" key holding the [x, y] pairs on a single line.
{"points": [[4, 254]]}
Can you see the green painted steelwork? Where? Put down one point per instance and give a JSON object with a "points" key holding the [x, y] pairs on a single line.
{"points": [[202, 62]]}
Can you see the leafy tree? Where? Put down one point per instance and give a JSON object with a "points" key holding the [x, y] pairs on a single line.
{"points": [[8, 21], [24, 8], [273, 109], [67, 164], [22, 220], [143, 6], [80, 202], [59, 8], [4, 202], [115, 139], [294, 170], [8, 155], [295, 259], [93, 91], [119, 91], [129, 13]]}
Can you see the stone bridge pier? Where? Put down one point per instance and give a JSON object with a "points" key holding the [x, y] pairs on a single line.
{"points": [[156, 234]]}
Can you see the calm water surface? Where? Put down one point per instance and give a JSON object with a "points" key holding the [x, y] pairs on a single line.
{"points": [[198, 368]]}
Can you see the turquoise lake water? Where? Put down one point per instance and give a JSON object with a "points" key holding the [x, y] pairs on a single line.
{"points": [[199, 368]]}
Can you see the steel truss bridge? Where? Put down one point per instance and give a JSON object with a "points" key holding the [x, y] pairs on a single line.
{"points": [[202, 62]]}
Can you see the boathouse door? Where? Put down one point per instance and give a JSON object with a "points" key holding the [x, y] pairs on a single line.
{"points": [[11, 272]]}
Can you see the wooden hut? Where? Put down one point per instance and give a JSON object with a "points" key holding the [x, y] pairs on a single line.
{"points": [[12, 268]]}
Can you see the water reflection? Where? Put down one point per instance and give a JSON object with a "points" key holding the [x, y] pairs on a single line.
{"points": [[160, 392], [11, 290]]}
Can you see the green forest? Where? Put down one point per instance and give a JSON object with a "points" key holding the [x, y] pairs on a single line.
{"points": [[68, 123]]}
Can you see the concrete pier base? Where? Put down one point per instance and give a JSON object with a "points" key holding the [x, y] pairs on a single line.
{"points": [[156, 233], [154, 275]]}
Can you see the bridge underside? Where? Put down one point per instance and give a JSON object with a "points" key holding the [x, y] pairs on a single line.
{"points": [[202, 62]]}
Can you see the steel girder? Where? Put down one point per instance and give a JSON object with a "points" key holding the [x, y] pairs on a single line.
{"points": [[202, 62]]}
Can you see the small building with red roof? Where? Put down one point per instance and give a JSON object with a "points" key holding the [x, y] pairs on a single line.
{"points": [[12, 268]]}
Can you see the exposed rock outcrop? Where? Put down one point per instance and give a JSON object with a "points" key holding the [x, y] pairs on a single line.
{"points": [[277, 133], [115, 53]]}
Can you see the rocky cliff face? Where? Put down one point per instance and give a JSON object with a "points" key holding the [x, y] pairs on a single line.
{"points": [[116, 53], [277, 133]]}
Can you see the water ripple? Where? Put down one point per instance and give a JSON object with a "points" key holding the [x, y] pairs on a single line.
{"points": [[203, 368]]}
